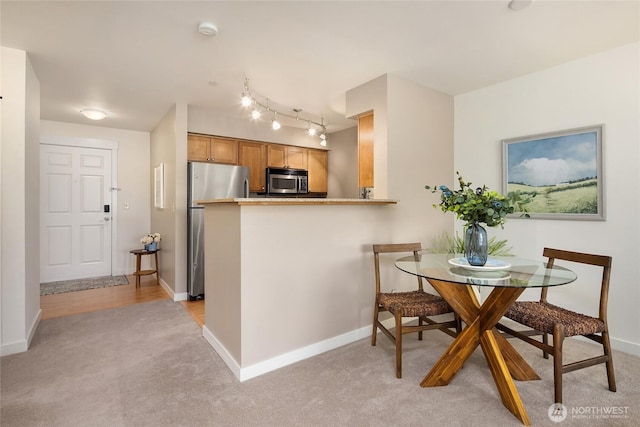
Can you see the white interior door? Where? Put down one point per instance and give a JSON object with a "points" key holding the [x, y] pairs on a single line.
{"points": [[75, 230]]}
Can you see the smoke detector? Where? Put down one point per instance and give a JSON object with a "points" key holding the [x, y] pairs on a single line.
{"points": [[208, 29]]}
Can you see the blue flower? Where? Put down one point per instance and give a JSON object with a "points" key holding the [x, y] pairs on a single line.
{"points": [[480, 204]]}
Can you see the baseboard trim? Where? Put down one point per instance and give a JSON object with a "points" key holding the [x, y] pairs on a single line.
{"points": [[285, 359], [625, 346], [289, 358], [181, 296], [222, 351], [23, 345]]}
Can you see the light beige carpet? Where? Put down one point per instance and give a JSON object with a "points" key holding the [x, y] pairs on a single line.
{"points": [[148, 365]]}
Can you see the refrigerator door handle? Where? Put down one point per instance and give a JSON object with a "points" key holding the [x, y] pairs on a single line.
{"points": [[246, 187]]}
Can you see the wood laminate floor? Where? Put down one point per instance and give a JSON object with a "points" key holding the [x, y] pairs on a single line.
{"points": [[70, 303]]}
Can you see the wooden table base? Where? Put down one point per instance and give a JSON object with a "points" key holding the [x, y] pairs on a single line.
{"points": [[502, 358]]}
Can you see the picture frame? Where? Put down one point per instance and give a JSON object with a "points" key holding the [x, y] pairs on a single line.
{"points": [[561, 170], [158, 175]]}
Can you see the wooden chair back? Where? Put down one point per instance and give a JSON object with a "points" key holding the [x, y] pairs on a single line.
{"points": [[416, 248], [582, 258]]}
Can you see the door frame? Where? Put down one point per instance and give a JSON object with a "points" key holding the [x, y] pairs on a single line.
{"points": [[102, 144]]}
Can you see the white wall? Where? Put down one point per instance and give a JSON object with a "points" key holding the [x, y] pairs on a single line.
{"points": [[603, 88], [19, 202], [133, 180]]}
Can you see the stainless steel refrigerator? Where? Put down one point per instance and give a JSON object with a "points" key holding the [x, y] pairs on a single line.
{"points": [[207, 181]]}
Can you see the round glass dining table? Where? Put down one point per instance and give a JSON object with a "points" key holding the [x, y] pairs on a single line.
{"points": [[453, 278], [502, 272]]}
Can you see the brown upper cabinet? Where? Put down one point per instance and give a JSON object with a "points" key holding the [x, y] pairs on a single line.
{"points": [[287, 156], [317, 171], [257, 156], [365, 150], [254, 156], [202, 148]]}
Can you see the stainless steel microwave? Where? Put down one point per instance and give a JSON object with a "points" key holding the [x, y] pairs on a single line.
{"points": [[283, 181]]}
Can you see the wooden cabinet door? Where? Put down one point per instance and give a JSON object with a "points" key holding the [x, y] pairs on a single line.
{"points": [[297, 157], [317, 171], [197, 148], [254, 156], [223, 150], [365, 151], [277, 156]]}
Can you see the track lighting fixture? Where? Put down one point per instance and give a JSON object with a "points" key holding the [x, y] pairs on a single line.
{"points": [[275, 124], [312, 127], [311, 131]]}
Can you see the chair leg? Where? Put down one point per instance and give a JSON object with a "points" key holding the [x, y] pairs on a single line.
{"points": [[607, 351], [398, 316], [458, 321], [420, 324], [374, 333], [545, 340], [558, 339]]}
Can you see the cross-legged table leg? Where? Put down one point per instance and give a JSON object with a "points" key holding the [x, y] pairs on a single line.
{"points": [[480, 322]]}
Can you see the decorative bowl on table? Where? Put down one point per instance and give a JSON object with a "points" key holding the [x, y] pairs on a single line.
{"points": [[492, 264]]}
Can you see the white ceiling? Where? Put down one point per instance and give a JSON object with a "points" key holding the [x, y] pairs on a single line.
{"points": [[136, 59]]}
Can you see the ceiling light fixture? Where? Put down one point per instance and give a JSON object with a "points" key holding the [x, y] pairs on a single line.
{"points": [[255, 114], [93, 113], [311, 130], [208, 29], [519, 4], [249, 99], [275, 124]]}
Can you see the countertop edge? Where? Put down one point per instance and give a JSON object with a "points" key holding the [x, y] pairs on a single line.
{"points": [[298, 202]]}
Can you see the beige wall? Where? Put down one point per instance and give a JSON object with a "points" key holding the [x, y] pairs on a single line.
{"points": [[169, 146], [413, 138], [266, 308], [372, 96], [332, 264], [342, 179], [20, 201], [603, 88]]}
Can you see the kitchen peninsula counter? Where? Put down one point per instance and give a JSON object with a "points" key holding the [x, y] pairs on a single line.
{"points": [[299, 201], [289, 278]]}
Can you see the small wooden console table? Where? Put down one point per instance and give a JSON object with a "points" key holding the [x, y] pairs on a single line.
{"points": [[138, 253]]}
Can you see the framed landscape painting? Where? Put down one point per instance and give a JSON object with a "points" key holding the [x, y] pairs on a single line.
{"points": [[562, 171]]}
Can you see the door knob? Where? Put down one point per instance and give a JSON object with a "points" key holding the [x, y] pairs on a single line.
{"points": [[106, 218]]}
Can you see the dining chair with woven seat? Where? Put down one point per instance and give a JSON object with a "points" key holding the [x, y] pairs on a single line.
{"points": [[410, 304], [545, 318]]}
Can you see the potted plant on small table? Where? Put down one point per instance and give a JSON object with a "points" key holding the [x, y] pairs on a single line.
{"points": [[150, 241]]}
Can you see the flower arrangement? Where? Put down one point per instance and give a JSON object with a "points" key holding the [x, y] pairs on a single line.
{"points": [[150, 238], [480, 205]]}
